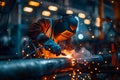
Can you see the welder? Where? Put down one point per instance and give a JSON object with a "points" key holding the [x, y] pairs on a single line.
{"points": [[48, 32]]}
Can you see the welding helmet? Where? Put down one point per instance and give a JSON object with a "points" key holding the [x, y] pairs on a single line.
{"points": [[70, 22], [65, 27]]}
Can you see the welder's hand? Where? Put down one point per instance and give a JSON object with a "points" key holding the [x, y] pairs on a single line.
{"points": [[52, 47]]}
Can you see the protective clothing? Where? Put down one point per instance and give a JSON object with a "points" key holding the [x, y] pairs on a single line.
{"points": [[49, 32], [52, 47]]}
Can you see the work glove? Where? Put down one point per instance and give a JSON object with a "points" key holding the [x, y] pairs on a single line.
{"points": [[52, 47]]}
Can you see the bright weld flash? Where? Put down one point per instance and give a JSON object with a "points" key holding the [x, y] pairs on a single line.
{"points": [[68, 56]]}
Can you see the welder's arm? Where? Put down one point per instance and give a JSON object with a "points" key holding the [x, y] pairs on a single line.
{"points": [[49, 44], [35, 32]]}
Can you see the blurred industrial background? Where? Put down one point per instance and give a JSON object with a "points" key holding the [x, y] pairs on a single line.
{"points": [[98, 32]]}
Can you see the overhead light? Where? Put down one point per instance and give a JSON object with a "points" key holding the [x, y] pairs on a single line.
{"points": [[97, 23], [80, 36], [2, 3], [81, 15], [46, 13], [69, 11], [93, 36], [112, 1], [34, 3], [28, 9], [87, 21], [53, 8]]}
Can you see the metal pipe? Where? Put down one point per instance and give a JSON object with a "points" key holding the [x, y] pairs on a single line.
{"points": [[101, 19], [30, 68], [36, 68]]}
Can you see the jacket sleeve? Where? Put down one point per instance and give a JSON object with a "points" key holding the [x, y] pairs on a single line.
{"points": [[36, 31]]}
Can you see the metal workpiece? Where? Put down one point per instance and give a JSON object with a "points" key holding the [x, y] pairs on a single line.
{"points": [[37, 68], [30, 68]]}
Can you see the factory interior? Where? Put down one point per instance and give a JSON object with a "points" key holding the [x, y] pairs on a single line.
{"points": [[91, 52]]}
